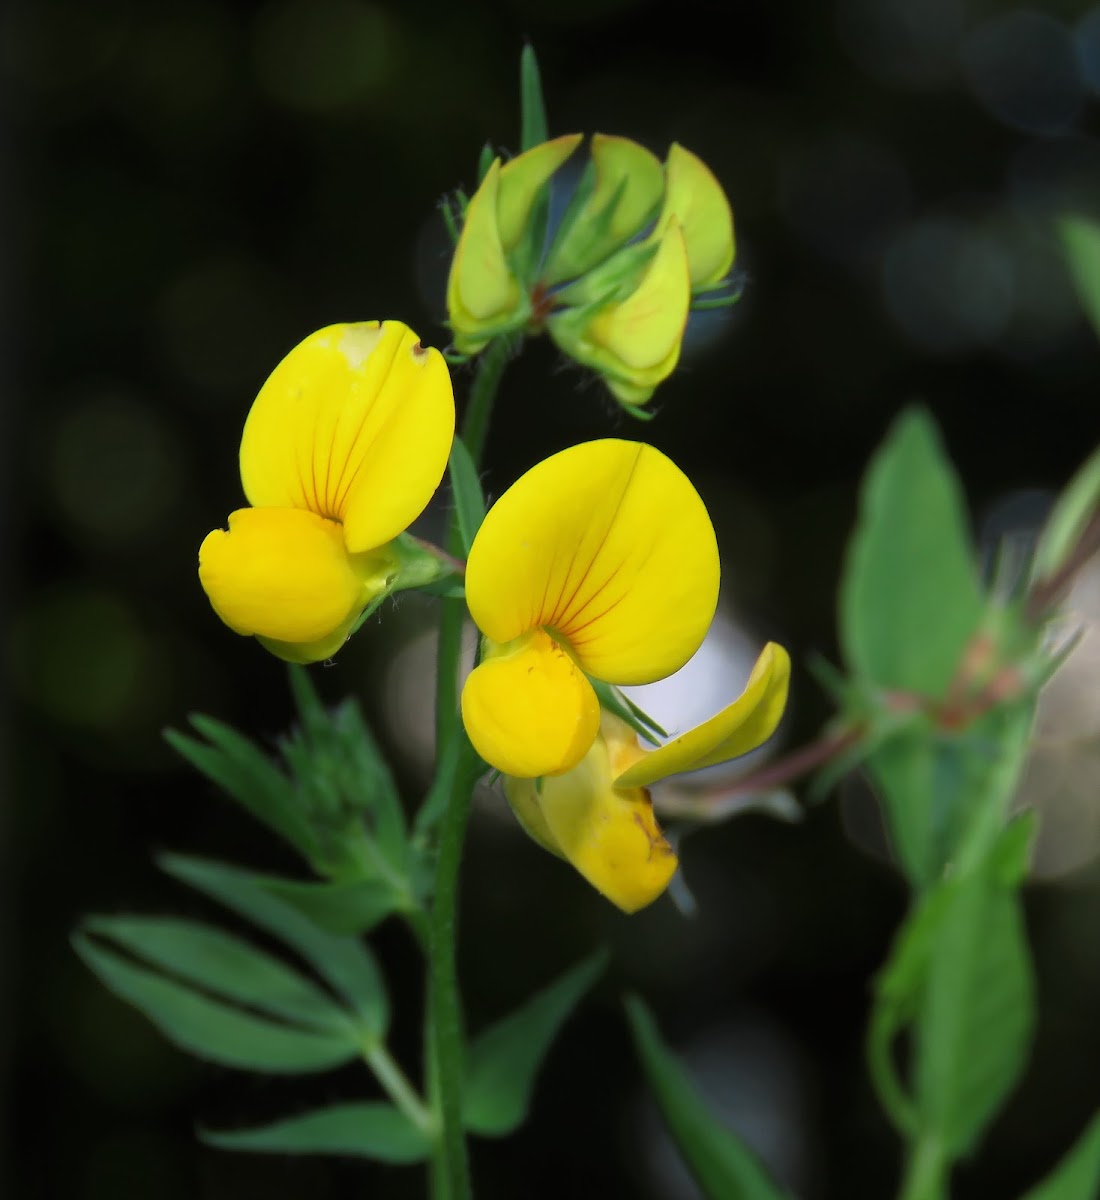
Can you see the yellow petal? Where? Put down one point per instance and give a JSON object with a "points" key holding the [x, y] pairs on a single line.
{"points": [[627, 175], [695, 198], [482, 292], [522, 178], [608, 544], [745, 724], [355, 425], [523, 796], [281, 573], [528, 710], [644, 332], [609, 834]]}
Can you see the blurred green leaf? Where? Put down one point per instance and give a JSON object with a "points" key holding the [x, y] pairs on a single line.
{"points": [[485, 161], [1077, 1176], [224, 965], [959, 976], [377, 1131], [1081, 243], [344, 963], [469, 499], [977, 1012], [936, 786], [909, 599], [248, 776], [214, 1030], [721, 1164], [533, 127], [1071, 514], [346, 908], [504, 1060]]}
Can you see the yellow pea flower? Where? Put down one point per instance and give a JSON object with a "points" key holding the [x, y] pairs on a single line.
{"points": [[600, 561], [485, 296], [695, 200], [634, 342], [599, 816], [343, 448]]}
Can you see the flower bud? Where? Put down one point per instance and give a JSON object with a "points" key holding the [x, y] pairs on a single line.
{"points": [[634, 342]]}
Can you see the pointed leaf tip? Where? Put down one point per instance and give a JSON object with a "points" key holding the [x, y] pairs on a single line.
{"points": [[533, 127]]}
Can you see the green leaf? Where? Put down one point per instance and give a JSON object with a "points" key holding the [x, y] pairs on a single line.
{"points": [[224, 965], [959, 976], [533, 127], [214, 1030], [377, 1131], [345, 908], [909, 599], [1081, 243], [1077, 1176], [938, 787], [485, 161], [248, 776], [504, 1060], [722, 1165], [469, 499], [977, 1012], [344, 963], [627, 711], [1072, 512]]}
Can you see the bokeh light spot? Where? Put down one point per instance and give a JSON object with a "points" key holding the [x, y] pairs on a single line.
{"points": [[844, 195], [322, 55], [225, 322], [114, 469], [81, 655], [1024, 70], [948, 284], [903, 43]]}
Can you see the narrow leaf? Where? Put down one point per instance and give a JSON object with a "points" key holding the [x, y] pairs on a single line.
{"points": [[468, 497], [347, 909], [1081, 242], [485, 161], [722, 1165], [909, 599], [246, 775], [533, 127], [1077, 1176], [345, 963], [225, 965], [1072, 512], [504, 1060], [377, 1131], [210, 1029]]}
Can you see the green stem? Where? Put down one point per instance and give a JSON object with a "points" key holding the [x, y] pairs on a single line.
{"points": [[397, 1086], [460, 767], [926, 1172], [490, 367]]}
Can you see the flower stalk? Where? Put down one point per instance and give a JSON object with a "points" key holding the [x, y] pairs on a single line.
{"points": [[443, 1018]]}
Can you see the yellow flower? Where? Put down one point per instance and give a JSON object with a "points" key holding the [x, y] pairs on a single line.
{"points": [[344, 446], [485, 296], [695, 200], [635, 342], [601, 561], [599, 816]]}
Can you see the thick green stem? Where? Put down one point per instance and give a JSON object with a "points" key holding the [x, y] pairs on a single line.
{"points": [[443, 1048], [926, 1172]]}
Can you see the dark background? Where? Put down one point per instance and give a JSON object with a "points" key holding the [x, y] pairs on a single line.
{"points": [[188, 189]]}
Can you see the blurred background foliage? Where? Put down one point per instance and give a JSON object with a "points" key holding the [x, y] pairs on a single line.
{"points": [[191, 186]]}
